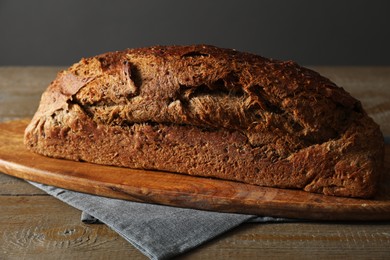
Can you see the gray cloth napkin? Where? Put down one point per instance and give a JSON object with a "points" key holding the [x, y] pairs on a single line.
{"points": [[159, 232]]}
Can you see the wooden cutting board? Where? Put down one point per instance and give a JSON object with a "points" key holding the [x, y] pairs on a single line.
{"points": [[183, 190]]}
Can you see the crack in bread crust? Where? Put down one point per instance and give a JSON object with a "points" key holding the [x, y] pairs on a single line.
{"points": [[167, 93]]}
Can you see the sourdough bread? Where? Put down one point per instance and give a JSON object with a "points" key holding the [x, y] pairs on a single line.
{"points": [[211, 112]]}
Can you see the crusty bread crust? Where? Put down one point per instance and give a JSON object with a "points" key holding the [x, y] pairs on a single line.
{"points": [[211, 112]]}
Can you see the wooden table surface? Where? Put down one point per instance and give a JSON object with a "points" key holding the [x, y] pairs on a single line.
{"points": [[34, 225]]}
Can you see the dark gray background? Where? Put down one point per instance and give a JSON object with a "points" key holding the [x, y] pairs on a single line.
{"points": [[48, 32]]}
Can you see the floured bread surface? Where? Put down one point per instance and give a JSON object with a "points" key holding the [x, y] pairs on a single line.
{"points": [[211, 112]]}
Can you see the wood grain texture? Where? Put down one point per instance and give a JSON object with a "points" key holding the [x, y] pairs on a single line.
{"points": [[299, 241], [183, 190], [45, 228], [20, 90], [14, 186]]}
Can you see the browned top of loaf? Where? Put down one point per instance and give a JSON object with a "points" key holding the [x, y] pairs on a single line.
{"points": [[278, 105]]}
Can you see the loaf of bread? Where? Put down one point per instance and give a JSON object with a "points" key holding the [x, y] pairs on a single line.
{"points": [[211, 112]]}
